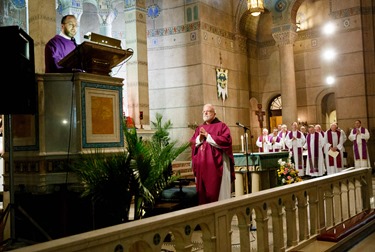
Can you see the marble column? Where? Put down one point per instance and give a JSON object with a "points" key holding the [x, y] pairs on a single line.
{"points": [[106, 20], [137, 66], [42, 27], [285, 39]]}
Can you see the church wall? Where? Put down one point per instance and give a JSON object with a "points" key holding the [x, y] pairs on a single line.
{"points": [[195, 49], [309, 81], [311, 70], [175, 72], [348, 68], [183, 55], [221, 49]]}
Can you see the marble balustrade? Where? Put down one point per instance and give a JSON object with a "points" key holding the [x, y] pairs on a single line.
{"points": [[285, 217]]}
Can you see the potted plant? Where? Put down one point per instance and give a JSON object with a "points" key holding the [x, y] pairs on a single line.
{"points": [[153, 160], [140, 172]]}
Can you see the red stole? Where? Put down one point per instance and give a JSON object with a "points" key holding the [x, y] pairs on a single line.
{"points": [[364, 145], [299, 150], [338, 158], [315, 157]]}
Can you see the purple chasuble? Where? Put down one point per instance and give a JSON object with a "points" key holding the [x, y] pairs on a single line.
{"points": [[207, 160], [56, 49]]}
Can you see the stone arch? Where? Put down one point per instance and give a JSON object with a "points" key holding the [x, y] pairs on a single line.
{"points": [[294, 6], [90, 13], [274, 110], [322, 108]]}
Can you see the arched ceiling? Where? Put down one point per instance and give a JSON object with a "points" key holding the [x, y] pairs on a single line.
{"points": [[276, 13]]}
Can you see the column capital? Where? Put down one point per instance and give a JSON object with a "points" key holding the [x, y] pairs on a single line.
{"points": [[284, 35]]}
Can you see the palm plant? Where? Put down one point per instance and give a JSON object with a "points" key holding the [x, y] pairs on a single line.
{"points": [[142, 170], [107, 181], [153, 160]]}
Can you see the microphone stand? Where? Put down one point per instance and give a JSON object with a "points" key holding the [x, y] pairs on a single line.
{"points": [[247, 161]]}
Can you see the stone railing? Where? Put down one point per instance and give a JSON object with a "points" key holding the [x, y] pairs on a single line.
{"points": [[277, 219]]}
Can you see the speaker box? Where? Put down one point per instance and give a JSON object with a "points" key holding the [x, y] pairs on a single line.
{"points": [[18, 83]]}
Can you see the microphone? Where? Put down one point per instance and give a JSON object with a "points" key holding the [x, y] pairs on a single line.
{"points": [[241, 125]]}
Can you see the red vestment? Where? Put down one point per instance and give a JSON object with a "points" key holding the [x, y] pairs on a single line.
{"points": [[207, 160]]}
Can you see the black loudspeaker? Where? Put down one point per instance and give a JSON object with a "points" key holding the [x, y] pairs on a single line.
{"points": [[18, 86]]}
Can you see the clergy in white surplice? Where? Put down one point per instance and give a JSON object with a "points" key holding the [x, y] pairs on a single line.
{"points": [[264, 142], [294, 141], [359, 136], [315, 159], [282, 134], [334, 149], [276, 141]]}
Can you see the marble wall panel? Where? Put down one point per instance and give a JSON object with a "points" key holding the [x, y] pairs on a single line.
{"points": [[178, 56], [346, 64], [347, 42], [350, 86], [351, 107], [309, 59], [337, 5], [175, 77], [218, 14]]}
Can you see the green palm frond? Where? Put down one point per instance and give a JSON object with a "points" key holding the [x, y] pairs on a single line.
{"points": [[141, 171], [107, 180], [153, 160]]}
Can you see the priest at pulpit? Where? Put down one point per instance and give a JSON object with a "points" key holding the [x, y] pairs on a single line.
{"points": [[61, 45]]}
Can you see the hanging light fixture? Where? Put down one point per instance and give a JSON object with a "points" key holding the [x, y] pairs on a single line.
{"points": [[256, 7]]}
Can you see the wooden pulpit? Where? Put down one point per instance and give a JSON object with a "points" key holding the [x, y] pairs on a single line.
{"points": [[95, 58]]}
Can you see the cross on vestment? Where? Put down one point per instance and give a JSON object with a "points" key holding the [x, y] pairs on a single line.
{"points": [[260, 115]]}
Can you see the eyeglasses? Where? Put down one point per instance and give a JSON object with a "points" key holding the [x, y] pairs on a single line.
{"points": [[207, 111], [71, 25]]}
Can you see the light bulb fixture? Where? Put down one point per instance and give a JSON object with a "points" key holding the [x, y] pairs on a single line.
{"points": [[256, 7]]}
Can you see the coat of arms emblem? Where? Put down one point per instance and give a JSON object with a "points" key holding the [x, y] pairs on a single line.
{"points": [[222, 83]]}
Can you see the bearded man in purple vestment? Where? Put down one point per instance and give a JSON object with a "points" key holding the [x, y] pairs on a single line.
{"points": [[212, 158], [359, 136], [61, 45]]}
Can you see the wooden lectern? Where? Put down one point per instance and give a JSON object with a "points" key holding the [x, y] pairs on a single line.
{"points": [[95, 58]]}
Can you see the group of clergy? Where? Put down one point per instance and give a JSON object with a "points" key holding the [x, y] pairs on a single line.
{"points": [[317, 152]]}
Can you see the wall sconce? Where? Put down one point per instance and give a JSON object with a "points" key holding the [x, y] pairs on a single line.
{"points": [[256, 7]]}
